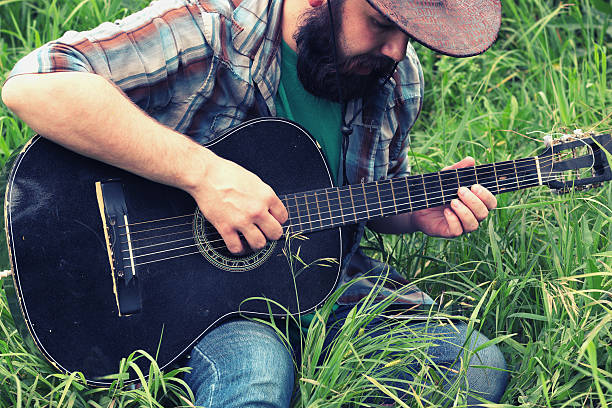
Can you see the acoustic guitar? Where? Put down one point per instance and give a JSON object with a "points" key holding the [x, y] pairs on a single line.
{"points": [[105, 262]]}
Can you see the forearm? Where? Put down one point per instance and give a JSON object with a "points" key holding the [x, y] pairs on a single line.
{"points": [[396, 224], [89, 115]]}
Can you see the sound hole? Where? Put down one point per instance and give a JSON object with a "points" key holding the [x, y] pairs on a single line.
{"points": [[213, 248]]}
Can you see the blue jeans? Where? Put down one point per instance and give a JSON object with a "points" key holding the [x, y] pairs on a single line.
{"points": [[244, 364]]}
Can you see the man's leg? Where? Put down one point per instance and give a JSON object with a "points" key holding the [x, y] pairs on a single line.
{"points": [[241, 364], [484, 375], [485, 372]]}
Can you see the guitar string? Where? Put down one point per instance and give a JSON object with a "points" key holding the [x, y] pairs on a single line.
{"points": [[439, 174], [335, 205], [162, 235], [345, 189], [320, 220], [197, 252], [211, 241], [186, 254]]}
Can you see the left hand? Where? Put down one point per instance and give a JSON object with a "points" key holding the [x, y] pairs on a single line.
{"points": [[463, 215]]}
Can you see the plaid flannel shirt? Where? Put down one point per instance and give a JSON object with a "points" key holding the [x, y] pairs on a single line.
{"points": [[203, 66]]}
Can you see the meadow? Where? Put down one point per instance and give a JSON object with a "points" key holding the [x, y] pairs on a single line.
{"points": [[536, 277]]}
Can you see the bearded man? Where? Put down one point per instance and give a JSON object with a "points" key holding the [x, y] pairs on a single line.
{"points": [[145, 93]]}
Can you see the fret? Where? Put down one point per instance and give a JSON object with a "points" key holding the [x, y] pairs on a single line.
{"points": [[331, 217], [417, 193], [335, 208], [486, 177], [302, 218], [506, 176], [449, 180], [297, 209], [496, 177], [379, 200], [400, 196], [467, 177], [373, 199], [360, 204], [433, 189], [365, 200], [318, 210], [346, 204], [307, 210], [352, 202], [408, 193], [289, 225], [424, 191], [441, 187], [385, 191], [298, 223], [393, 195], [340, 206], [476, 176], [515, 174], [457, 176]]}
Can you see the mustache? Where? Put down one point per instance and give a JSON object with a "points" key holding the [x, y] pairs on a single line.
{"points": [[379, 65]]}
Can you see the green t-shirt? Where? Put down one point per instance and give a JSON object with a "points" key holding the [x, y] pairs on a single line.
{"points": [[322, 118]]}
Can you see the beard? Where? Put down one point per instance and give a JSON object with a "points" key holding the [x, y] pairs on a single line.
{"points": [[316, 67]]}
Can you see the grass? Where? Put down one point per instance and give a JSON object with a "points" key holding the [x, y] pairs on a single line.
{"points": [[536, 277]]}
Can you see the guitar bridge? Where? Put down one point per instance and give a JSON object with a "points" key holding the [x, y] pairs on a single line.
{"points": [[113, 210]]}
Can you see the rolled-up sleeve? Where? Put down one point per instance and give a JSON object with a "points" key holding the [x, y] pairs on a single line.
{"points": [[52, 57], [143, 54]]}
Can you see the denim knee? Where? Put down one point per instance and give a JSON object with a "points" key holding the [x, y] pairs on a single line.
{"points": [[241, 364], [484, 370]]}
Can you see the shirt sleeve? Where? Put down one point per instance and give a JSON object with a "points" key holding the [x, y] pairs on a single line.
{"points": [[144, 54], [408, 100]]}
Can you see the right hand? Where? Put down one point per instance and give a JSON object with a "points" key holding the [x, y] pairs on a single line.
{"points": [[235, 200]]}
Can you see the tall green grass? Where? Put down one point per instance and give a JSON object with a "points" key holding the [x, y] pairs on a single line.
{"points": [[535, 278]]}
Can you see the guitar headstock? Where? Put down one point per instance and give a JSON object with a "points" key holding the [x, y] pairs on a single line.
{"points": [[576, 161]]}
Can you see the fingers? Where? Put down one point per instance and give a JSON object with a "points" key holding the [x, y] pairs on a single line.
{"points": [[465, 213], [469, 209], [466, 162], [237, 202], [254, 237], [278, 210], [257, 226]]}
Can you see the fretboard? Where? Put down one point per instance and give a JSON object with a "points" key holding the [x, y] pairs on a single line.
{"points": [[338, 206]]}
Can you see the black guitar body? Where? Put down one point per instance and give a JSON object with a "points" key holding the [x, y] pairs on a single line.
{"points": [[63, 276]]}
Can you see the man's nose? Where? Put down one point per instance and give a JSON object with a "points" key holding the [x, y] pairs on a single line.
{"points": [[395, 45]]}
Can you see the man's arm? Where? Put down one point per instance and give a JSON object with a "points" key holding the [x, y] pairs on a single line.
{"points": [[463, 215], [86, 113]]}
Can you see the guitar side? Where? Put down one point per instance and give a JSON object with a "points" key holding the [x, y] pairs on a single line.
{"points": [[64, 280]]}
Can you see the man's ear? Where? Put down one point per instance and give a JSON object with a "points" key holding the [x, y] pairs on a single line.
{"points": [[315, 3]]}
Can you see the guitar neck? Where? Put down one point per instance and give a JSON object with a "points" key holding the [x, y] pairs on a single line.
{"points": [[337, 206]]}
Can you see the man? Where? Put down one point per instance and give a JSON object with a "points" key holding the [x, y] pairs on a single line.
{"points": [[128, 93]]}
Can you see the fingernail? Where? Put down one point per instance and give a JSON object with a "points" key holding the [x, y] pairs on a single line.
{"points": [[455, 203], [476, 188], [463, 191]]}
